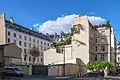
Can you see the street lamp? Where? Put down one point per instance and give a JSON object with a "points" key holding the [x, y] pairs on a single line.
{"points": [[64, 57]]}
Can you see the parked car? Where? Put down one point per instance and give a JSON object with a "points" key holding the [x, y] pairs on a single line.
{"points": [[93, 74], [11, 71]]}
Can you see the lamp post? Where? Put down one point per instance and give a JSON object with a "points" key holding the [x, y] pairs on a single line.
{"points": [[64, 57], [64, 60]]}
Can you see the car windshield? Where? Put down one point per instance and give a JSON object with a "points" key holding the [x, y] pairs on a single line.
{"points": [[16, 69]]}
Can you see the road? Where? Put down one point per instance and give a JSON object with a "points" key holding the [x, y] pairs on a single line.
{"points": [[62, 78]]}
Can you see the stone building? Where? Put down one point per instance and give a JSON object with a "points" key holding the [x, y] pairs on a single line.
{"points": [[99, 46], [24, 38], [118, 56]]}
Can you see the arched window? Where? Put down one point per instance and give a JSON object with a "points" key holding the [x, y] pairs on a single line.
{"points": [[95, 57], [102, 40], [29, 58], [103, 33]]}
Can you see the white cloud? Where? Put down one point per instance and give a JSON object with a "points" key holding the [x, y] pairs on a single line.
{"points": [[64, 23], [36, 25], [96, 20], [60, 24]]}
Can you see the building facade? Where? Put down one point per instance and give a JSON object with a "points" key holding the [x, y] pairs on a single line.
{"points": [[99, 46], [24, 38], [11, 54], [118, 56]]}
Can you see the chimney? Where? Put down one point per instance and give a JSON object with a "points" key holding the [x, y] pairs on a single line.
{"points": [[11, 20]]}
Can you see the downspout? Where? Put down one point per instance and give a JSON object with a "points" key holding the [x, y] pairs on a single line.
{"points": [[110, 46]]}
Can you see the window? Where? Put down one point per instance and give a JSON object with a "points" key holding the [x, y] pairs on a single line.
{"points": [[96, 48], [102, 47], [41, 42], [14, 34], [103, 33], [38, 59], [95, 57], [25, 44], [25, 57], [29, 39], [25, 37], [44, 43], [29, 45], [44, 48], [41, 53], [102, 40], [20, 43], [8, 40], [38, 46], [8, 33], [41, 48], [37, 41], [118, 59], [21, 49], [29, 58], [96, 40], [15, 41], [33, 40], [33, 45], [48, 44], [102, 57], [41, 60], [20, 36], [24, 50]]}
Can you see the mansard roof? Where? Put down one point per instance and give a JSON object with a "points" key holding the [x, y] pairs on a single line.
{"points": [[20, 28]]}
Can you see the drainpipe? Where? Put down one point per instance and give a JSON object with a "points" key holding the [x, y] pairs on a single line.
{"points": [[110, 46], [64, 61]]}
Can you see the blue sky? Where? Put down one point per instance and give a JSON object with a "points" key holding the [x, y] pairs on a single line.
{"points": [[30, 12]]}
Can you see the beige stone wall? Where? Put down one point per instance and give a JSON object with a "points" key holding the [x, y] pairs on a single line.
{"points": [[57, 70], [12, 54], [2, 29], [85, 52], [51, 57], [12, 51], [82, 51]]}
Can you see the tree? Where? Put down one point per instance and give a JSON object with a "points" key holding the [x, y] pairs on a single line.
{"points": [[35, 53], [90, 65], [107, 64], [108, 24], [99, 65], [93, 65], [74, 30]]}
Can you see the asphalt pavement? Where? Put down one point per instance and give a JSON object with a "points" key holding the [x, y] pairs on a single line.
{"points": [[62, 78]]}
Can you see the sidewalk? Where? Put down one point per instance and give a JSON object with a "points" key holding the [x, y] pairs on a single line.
{"points": [[118, 77]]}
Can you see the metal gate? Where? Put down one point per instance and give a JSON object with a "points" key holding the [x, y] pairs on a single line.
{"points": [[40, 70]]}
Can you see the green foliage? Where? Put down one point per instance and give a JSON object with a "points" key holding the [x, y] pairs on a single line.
{"points": [[90, 65], [99, 65], [74, 31], [68, 39], [108, 64], [35, 53], [107, 24]]}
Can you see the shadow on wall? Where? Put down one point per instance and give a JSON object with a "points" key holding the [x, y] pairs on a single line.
{"points": [[82, 68], [102, 48]]}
